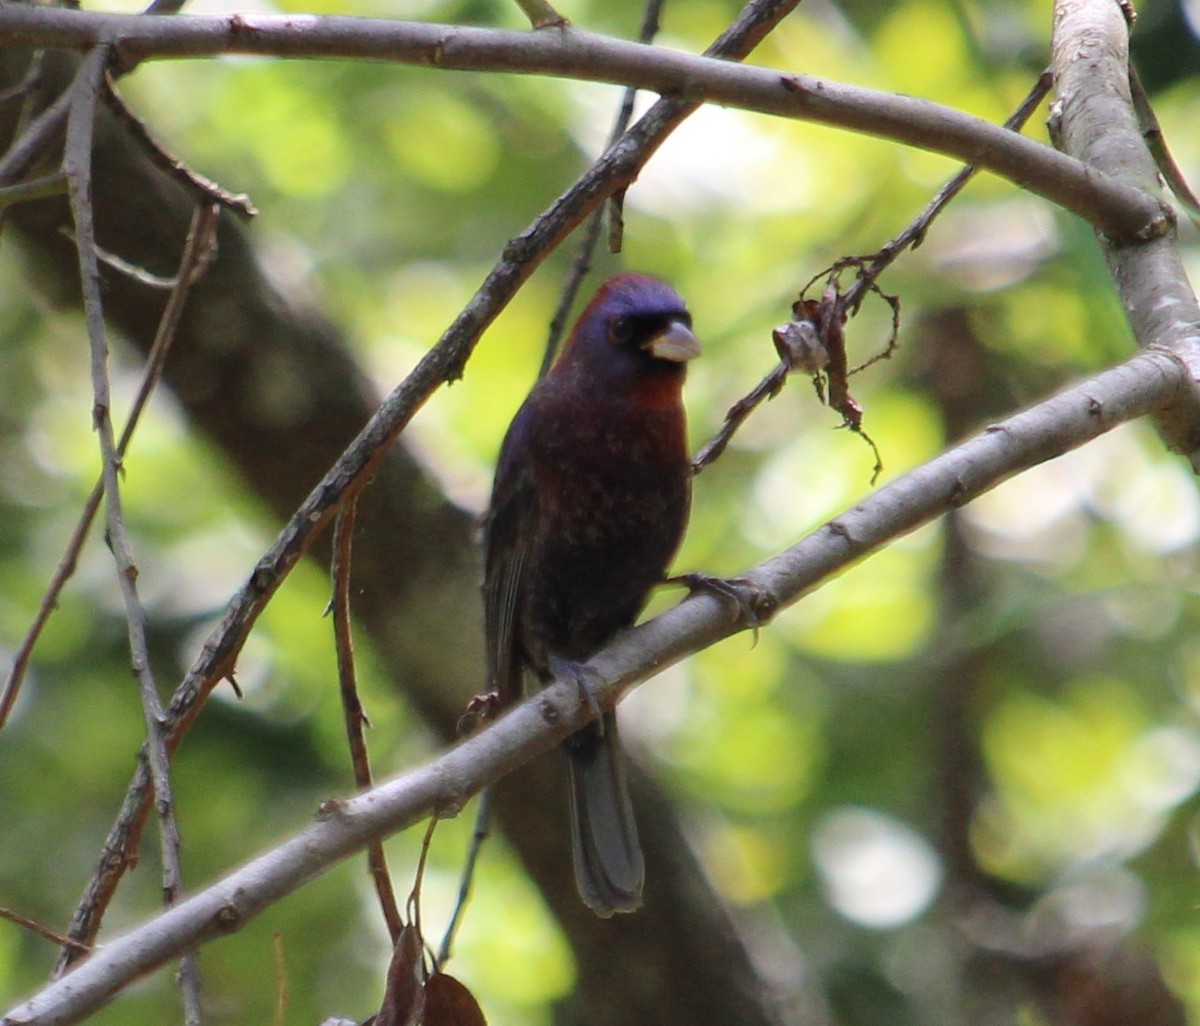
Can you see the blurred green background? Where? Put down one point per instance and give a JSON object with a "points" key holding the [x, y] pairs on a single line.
{"points": [[997, 716]]}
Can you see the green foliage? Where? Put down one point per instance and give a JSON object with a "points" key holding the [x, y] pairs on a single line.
{"points": [[385, 194]]}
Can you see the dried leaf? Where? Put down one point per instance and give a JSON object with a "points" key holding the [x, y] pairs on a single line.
{"points": [[449, 1003], [404, 998], [799, 346]]}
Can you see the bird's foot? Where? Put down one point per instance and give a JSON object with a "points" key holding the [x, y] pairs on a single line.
{"points": [[755, 605], [565, 669], [480, 709]]}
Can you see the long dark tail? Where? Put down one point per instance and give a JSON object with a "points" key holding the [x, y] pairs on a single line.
{"points": [[609, 869]]}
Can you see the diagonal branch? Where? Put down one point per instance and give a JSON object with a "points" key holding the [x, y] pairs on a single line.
{"points": [[618, 167], [582, 264], [1116, 208], [197, 251], [353, 714], [1142, 385], [77, 166], [869, 269]]}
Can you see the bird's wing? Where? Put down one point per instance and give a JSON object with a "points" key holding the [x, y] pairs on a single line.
{"points": [[508, 528]]}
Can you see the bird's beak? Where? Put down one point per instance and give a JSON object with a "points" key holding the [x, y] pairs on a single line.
{"points": [[675, 342]]}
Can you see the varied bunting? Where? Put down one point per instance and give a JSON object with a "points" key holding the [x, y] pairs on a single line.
{"points": [[589, 505]]}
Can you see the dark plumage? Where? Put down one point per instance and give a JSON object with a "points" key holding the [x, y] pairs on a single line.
{"points": [[588, 508]]}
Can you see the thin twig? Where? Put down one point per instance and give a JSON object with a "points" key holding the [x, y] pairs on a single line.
{"points": [[1157, 143], [206, 190], [444, 362], [651, 18], [42, 931], [483, 824], [580, 266], [27, 81], [914, 234], [196, 253], [27, 92], [77, 161], [120, 264], [35, 141], [735, 416], [413, 905], [282, 995], [53, 184], [582, 263], [541, 14], [118, 853], [165, 7], [870, 268], [356, 719]]}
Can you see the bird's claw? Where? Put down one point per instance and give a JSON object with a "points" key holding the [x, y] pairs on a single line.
{"points": [[480, 709], [755, 605], [564, 669]]}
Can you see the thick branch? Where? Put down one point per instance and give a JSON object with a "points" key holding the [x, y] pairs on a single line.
{"points": [[1142, 385], [1114, 207], [1095, 120]]}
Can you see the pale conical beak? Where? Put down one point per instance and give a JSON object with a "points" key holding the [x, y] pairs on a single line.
{"points": [[675, 342]]}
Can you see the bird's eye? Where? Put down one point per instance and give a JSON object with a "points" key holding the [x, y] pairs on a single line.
{"points": [[621, 329]]}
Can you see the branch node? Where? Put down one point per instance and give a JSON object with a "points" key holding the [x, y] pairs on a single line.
{"points": [[542, 15], [550, 712], [518, 250], [239, 27], [839, 528], [331, 808], [228, 919]]}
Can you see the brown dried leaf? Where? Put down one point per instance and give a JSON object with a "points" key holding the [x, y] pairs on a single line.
{"points": [[404, 998], [449, 1003]]}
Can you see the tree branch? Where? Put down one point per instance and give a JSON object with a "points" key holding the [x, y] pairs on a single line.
{"points": [[1144, 384], [77, 166], [1114, 207], [680, 961], [1095, 120]]}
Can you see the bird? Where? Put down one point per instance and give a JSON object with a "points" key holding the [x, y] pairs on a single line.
{"points": [[589, 505]]}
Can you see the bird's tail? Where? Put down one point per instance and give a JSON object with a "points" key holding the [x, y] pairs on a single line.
{"points": [[609, 869]]}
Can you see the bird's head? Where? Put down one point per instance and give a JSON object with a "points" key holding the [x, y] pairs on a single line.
{"points": [[635, 335]]}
